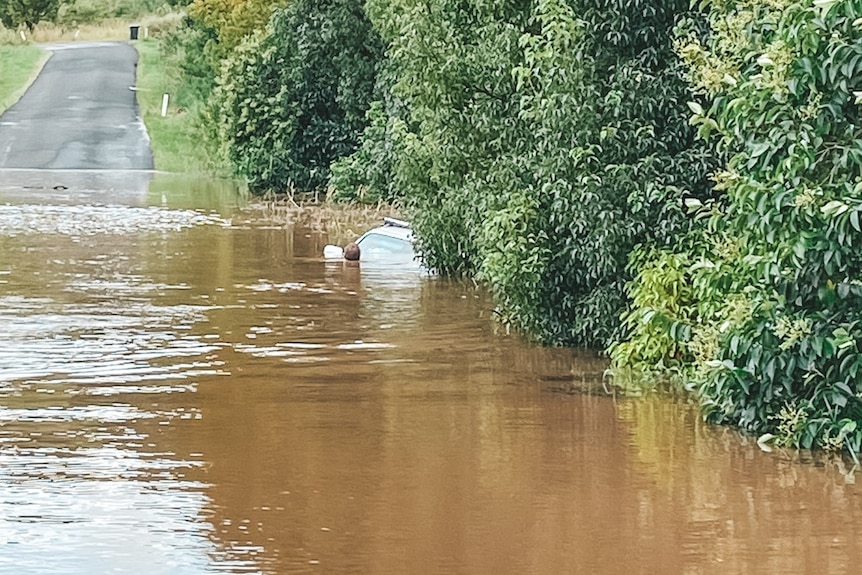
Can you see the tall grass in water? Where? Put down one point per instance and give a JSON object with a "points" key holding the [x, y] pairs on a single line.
{"points": [[342, 223]]}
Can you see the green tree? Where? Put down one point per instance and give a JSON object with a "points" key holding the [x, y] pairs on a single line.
{"points": [[784, 82], [233, 20], [15, 13], [547, 142], [368, 174], [292, 99], [765, 305]]}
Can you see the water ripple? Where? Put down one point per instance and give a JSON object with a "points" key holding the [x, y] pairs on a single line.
{"points": [[98, 344], [87, 220]]}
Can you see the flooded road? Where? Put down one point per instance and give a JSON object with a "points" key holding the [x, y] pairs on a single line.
{"points": [[180, 394]]}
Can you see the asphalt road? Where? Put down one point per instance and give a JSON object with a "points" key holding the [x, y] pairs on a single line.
{"points": [[81, 113]]}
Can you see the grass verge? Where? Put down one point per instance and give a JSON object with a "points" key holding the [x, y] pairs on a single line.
{"points": [[19, 66], [109, 29], [174, 138]]}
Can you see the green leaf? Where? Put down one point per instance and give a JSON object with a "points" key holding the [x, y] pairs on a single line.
{"points": [[834, 208], [696, 108]]}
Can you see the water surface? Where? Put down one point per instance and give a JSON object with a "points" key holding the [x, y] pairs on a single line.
{"points": [[180, 394]]}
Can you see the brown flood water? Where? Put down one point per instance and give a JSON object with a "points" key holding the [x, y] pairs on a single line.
{"points": [[182, 395]]}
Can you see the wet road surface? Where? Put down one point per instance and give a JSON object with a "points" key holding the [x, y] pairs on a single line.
{"points": [[81, 113]]}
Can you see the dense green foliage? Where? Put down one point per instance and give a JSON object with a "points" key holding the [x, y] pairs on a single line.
{"points": [[15, 13], [293, 98], [773, 318], [368, 175], [191, 56], [546, 148], [76, 12], [230, 21], [547, 143]]}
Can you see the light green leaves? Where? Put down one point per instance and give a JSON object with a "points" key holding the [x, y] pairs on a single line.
{"points": [[796, 257], [823, 6], [764, 60], [834, 208]]}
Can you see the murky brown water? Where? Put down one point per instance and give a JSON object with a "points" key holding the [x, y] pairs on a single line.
{"points": [[179, 395]]}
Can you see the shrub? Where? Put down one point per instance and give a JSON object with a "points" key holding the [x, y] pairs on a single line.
{"points": [[777, 320], [548, 142], [292, 99], [368, 175], [232, 20], [190, 52]]}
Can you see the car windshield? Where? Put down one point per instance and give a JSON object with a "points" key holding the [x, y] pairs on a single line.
{"points": [[380, 245]]}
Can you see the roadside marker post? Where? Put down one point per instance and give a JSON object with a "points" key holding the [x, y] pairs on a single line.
{"points": [[165, 99]]}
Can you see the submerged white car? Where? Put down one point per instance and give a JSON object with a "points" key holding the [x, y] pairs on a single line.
{"points": [[391, 242]]}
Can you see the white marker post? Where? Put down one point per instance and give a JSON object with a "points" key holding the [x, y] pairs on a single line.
{"points": [[23, 37], [165, 99]]}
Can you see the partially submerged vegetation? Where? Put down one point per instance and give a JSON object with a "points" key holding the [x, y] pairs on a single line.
{"points": [[678, 185], [342, 222], [759, 310], [549, 148]]}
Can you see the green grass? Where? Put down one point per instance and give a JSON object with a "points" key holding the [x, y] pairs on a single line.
{"points": [[19, 66], [175, 138]]}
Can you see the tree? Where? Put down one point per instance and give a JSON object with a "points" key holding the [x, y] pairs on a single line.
{"points": [[294, 98], [233, 20], [15, 13], [779, 289], [547, 142]]}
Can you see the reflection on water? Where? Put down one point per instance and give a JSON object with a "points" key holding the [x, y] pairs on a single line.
{"points": [[180, 395], [188, 192]]}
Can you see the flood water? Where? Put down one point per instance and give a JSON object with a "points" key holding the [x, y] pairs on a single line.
{"points": [[181, 394]]}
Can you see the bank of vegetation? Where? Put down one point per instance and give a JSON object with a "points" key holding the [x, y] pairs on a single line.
{"points": [[676, 184]]}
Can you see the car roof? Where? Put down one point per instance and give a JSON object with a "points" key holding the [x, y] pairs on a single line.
{"points": [[392, 231]]}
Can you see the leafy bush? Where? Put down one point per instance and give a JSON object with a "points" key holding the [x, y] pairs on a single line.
{"points": [[659, 321], [293, 98], [548, 142], [776, 319], [191, 53], [368, 175], [232, 20]]}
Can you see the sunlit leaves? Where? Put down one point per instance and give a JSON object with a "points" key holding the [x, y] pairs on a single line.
{"points": [[790, 119], [233, 20]]}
